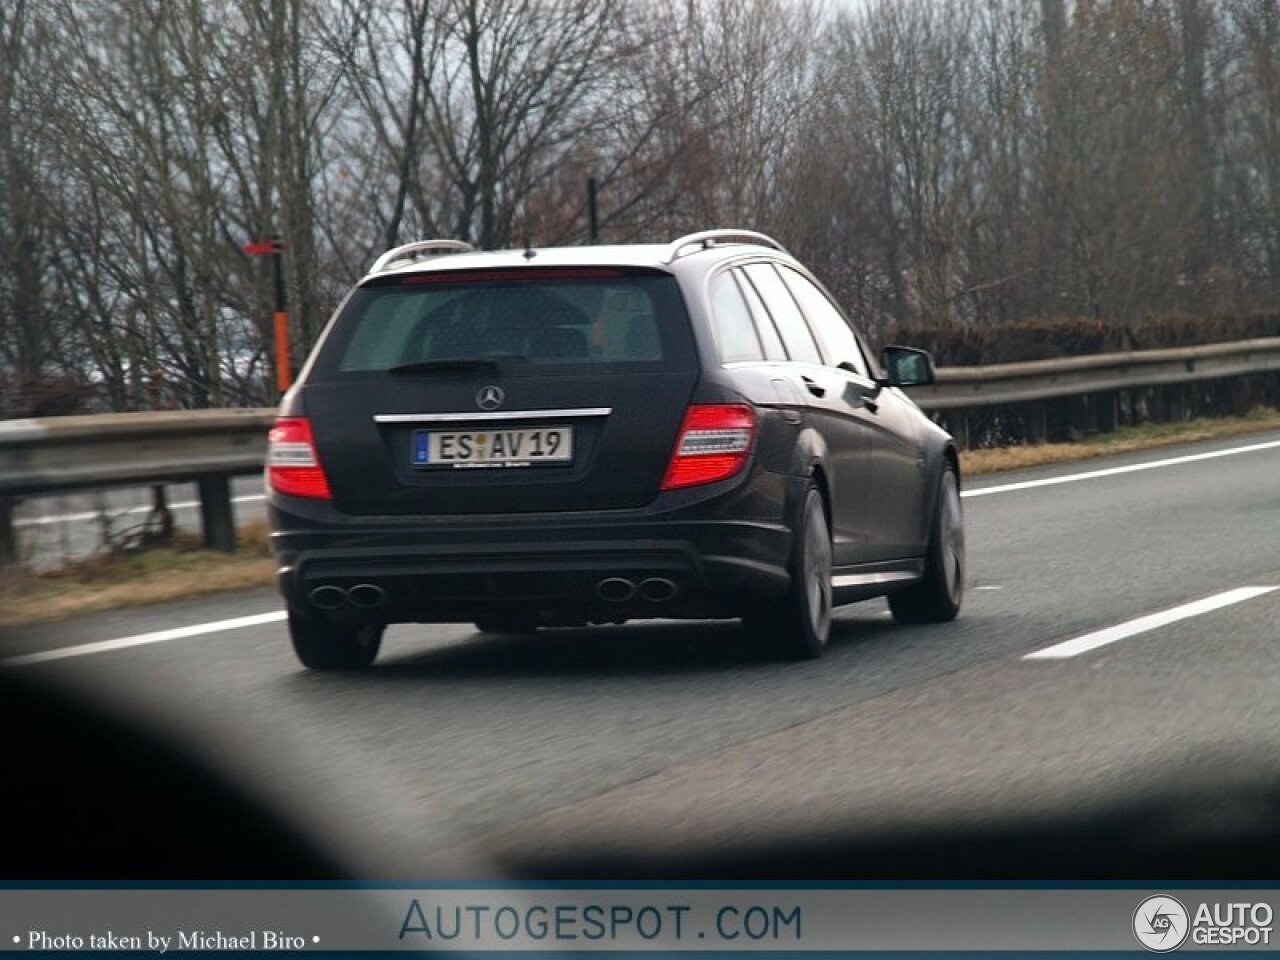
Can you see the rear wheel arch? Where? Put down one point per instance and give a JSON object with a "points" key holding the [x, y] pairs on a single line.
{"points": [[953, 458], [808, 453], [818, 475], [798, 625], [808, 462], [938, 460]]}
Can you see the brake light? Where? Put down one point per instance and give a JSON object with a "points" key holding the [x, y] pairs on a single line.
{"points": [[495, 276], [293, 468], [714, 444]]}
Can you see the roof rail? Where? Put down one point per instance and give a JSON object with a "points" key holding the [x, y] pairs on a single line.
{"points": [[409, 252], [713, 238]]}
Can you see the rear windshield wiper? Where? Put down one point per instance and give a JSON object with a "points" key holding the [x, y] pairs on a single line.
{"points": [[458, 364]]}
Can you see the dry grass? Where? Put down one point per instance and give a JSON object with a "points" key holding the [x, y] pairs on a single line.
{"points": [[183, 570], [155, 575], [1145, 437]]}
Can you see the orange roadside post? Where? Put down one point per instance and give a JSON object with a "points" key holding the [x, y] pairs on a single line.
{"points": [[275, 247]]}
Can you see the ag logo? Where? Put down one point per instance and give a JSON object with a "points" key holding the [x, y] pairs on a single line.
{"points": [[1161, 923], [490, 398]]}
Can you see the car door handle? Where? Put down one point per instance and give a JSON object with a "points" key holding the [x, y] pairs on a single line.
{"points": [[870, 397], [813, 387]]}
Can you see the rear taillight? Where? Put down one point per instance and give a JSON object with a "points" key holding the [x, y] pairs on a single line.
{"points": [[715, 442], [293, 468]]}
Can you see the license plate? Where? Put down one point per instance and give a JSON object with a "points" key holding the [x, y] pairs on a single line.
{"points": [[480, 449]]}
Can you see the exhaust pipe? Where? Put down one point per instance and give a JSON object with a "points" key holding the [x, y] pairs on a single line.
{"points": [[328, 597], [658, 589], [615, 589], [366, 596]]}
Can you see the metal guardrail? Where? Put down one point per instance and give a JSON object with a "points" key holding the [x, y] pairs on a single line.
{"points": [[1036, 384], [209, 447], [962, 388], [62, 454], [57, 454]]}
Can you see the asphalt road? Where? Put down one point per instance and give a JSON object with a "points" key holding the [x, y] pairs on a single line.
{"points": [[651, 739]]}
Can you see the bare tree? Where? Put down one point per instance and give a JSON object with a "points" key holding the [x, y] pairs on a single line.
{"points": [[26, 49], [511, 92], [965, 161], [1253, 112]]}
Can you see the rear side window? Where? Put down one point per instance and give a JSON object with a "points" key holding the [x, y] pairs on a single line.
{"points": [[735, 331], [577, 318], [838, 341], [782, 307]]}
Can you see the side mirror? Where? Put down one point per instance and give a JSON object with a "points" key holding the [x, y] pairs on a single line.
{"points": [[906, 367]]}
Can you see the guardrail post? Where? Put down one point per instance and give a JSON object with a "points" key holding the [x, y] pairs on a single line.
{"points": [[1238, 396], [1075, 415], [8, 537], [160, 512], [960, 428], [1037, 424], [1107, 407], [216, 516]]}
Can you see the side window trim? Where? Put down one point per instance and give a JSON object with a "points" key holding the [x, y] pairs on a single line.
{"points": [[874, 372], [726, 275], [866, 374], [803, 332], [781, 270], [760, 311]]}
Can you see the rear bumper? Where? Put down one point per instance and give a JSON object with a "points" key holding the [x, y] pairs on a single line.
{"points": [[549, 567]]}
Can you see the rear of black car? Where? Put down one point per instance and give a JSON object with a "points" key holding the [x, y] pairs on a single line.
{"points": [[516, 447]]}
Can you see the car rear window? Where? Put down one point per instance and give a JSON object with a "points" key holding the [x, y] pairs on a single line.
{"points": [[556, 318]]}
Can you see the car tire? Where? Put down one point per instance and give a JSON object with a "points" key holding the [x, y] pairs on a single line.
{"points": [[322, 645], [505, 625], [937, 597], [798, 629]]}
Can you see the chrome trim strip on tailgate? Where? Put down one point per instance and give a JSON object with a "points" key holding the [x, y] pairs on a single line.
{"points": [[500, 415]]}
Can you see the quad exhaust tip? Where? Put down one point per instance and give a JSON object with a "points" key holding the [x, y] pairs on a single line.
{"points": [[364, 596], [616, 589], [651, 589], [658, 589], [328, 597]]}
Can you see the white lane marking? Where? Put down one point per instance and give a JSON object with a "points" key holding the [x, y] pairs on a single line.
{"points": [[1115, 471], [142, 639], [144, 508], [1100, 638]]}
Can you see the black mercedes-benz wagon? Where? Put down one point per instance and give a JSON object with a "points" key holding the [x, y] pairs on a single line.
{"points": [[557, 437]]}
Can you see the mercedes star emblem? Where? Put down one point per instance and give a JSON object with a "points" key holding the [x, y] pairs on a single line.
{"points": [[490, 398]]}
